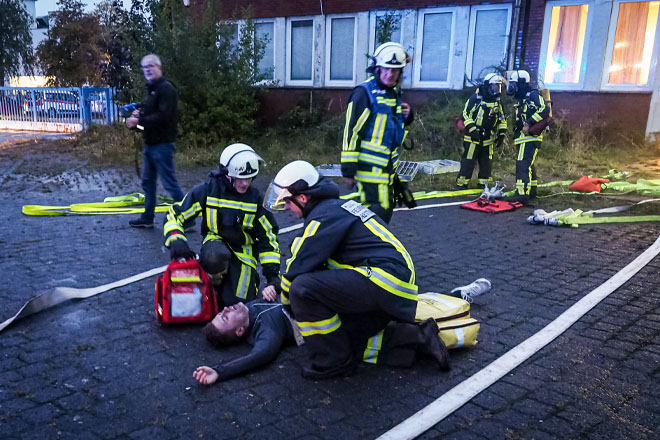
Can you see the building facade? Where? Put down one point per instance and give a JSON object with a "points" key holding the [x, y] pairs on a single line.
{"points": [[598, 57]]}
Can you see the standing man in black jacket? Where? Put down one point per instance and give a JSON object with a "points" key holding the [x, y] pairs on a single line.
{"points": [[157, 117]]}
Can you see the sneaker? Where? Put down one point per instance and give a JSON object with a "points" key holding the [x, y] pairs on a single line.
{"points": [[139, 223], [475, 288]]}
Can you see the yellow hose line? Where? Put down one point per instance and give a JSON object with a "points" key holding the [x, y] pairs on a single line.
{"points": [[122, 204]]}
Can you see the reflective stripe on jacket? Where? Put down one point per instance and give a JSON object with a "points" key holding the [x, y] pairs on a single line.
{"points": [[372, 142], [334, 238], [529, 110], [486, 116], [238, 219]]}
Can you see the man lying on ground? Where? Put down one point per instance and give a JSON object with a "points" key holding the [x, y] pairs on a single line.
{"points": [[266, 327]]}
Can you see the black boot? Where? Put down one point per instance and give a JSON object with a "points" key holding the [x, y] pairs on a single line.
{"points": [[532, 192], [433, 345]]}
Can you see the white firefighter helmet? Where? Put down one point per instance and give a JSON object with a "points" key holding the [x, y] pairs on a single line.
{"points": [[240, 161], [390, 55], [293, 179], [516, 77], [519, 76], [493, 84]]}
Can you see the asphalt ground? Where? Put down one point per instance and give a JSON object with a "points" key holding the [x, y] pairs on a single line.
{"points": [[104, 368]]}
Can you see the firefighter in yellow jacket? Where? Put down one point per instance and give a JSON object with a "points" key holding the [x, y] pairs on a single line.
{"points": [[374, 130], [238, 232], [530, 109], [485, 127]]}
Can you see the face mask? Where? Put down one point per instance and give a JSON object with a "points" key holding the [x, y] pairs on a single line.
{"points": [[495, 89], [512, 88]]}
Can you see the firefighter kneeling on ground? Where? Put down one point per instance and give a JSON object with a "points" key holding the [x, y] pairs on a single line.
{"points": [[485, 127], [530, 109], [234, 224], [346, 262]]}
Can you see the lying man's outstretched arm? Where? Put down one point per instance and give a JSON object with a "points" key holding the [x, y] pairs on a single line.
{"points": [[267, 345]]}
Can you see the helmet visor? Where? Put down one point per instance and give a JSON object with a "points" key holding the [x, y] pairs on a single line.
{"points": [[495, 89], [274, 198]]}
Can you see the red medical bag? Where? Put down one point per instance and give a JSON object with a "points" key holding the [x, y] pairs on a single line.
{"points": [[184, 294]]}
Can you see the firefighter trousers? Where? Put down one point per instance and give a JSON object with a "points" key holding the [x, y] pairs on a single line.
{"points": [[396, 345], [526, 179], [378, 197], [475, 153], [319, 299], [239, 284]]}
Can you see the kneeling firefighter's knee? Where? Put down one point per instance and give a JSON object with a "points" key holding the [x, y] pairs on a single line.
{"points": [[299, 288]]}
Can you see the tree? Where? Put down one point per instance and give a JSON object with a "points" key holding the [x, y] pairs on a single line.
{"points": [[215, 73], [15, 40], [116, 36], [73, 52]]}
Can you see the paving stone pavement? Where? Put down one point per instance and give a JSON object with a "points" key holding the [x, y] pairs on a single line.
{"points": [[104, 368]]}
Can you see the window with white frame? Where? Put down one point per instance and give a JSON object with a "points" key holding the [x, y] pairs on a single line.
{"points": [[300, 52], [489, 38], [434, 41], [630, 48], [265, 32], [340, 50], [564, 55], [387, 27]]}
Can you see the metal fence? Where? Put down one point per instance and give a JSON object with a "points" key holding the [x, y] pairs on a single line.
{"points": [[59, 109]]}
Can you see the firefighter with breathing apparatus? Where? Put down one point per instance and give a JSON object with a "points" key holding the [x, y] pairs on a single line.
{"points": [[485, 128]]}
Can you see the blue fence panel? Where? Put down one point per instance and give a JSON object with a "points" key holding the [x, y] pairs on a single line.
{"points": [[50, 107]]}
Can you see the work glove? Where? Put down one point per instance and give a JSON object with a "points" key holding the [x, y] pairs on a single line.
{"points": [[179, 249], [403, 195], [500, 139], [475, 135]]}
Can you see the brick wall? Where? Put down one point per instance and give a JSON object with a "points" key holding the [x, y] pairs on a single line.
{"points": [[530, 35], [617, 110], [576, 107], [291, 8]]}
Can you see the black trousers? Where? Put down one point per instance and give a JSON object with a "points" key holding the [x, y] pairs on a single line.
{"points": [[526, 178], [376, 340], [321, 301], [379, 198], [475, 153], [239, 284]]}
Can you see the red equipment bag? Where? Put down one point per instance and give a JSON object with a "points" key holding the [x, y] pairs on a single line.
{"points": [[184, 294], [491, 206], [459, 123], [588, 184], [538, 127]]}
